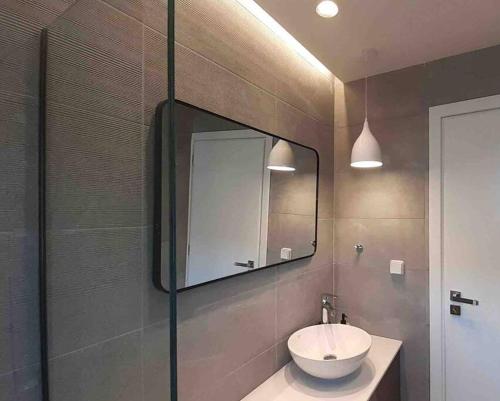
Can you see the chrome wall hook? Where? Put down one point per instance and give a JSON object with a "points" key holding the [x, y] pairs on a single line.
{"points": [[359, 248]]}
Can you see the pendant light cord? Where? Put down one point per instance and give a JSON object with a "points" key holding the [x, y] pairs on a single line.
{"points": [[366, 82], [366, 98]]}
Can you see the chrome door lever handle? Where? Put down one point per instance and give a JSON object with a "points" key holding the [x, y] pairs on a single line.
{"points": [[456, 296], [249, 264]]}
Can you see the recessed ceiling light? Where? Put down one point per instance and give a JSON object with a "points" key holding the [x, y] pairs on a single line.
{"points": [[327, 9]]}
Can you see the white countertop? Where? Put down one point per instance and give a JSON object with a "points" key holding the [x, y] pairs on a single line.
{"points": [[291, 384]]}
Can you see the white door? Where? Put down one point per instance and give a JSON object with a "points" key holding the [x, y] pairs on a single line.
{"points": [[229, 200], [464, 250]]}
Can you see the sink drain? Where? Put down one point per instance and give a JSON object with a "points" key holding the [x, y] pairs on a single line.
{"points": [[329, 357]]}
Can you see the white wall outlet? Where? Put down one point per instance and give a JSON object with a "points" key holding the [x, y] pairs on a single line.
{"points": [[397, 267], [286, 253]]}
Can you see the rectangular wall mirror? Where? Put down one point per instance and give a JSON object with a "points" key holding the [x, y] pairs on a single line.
{"points": [[245, 199]]}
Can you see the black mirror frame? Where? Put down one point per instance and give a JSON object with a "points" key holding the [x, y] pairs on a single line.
{"points": [[163, 174]]}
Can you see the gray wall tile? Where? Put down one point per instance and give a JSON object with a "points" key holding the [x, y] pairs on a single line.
{"points": [[94, 169], [19, 342], [156, 361], [95, 61], [18, 161], [109, 371], [23, 385], [95, 286], [466, 76], [20, 39], [397, 94]]}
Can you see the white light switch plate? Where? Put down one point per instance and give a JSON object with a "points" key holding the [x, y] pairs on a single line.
{"points": [[286, 253], [397, 267]]}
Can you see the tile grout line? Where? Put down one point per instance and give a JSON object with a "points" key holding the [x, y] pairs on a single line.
{"points": [[274, 96], [86, 347]]}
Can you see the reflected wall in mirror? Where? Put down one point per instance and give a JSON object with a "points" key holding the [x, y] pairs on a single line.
{"points": [[245, 199]]}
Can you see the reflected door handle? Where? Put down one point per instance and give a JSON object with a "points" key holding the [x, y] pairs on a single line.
{"points": [[249, 264], [456, 296]]}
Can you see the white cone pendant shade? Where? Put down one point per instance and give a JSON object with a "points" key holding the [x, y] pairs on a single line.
{"points": [[281, 157], [366, 150]]}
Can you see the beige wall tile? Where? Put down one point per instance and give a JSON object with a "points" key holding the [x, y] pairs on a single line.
{"points": [[242, 381], [233, 38], [383, 240], [380, 194], [209, 86], [155, 72], [387, 300], [349, 103], [295, 192], [299, 300], [293, 124], [321, 259], [133, 8], [290, 231], [403, 141], [156, 15], [219, 338]]}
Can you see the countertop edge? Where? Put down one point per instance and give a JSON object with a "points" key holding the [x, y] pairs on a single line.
{"points": [[276, 386]]}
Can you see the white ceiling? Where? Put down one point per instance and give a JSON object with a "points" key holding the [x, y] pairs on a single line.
{"points": [[403, 32]]}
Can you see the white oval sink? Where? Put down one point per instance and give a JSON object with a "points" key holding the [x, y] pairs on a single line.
{"points": [[329, 351]]}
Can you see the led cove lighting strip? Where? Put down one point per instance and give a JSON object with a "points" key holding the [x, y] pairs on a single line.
{"points": [[281, 32]]}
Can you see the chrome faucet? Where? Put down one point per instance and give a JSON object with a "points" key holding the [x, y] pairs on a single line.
{"points": [[328, 308]]}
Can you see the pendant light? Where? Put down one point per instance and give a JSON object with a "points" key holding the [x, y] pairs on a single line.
{"points": [[281, 157], [366, 151]]}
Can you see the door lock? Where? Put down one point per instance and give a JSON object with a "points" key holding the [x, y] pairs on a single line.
{"points": [[455, 310]]}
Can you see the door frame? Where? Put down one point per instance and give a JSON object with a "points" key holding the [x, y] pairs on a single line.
{"points": [[437, 340], [266, 181]]}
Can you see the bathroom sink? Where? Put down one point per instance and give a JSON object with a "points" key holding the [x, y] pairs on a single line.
{"points": [[329, 351]]}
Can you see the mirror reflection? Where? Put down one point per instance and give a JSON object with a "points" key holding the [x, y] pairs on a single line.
{"points": [[245, 199]]}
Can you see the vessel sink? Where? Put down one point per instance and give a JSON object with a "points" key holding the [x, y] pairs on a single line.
{"points": [[329, 351]]}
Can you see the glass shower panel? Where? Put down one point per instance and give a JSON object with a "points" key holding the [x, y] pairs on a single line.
{"points": [[108, 326]]}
